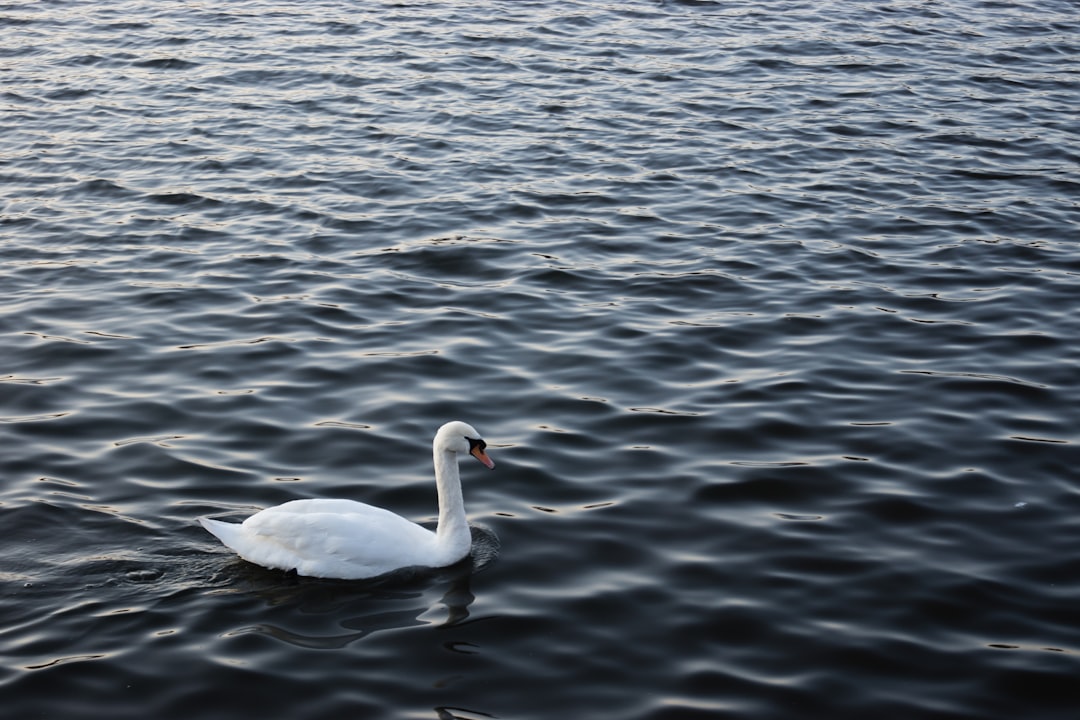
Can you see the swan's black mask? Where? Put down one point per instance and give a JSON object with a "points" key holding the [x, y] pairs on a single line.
{"points": [[476, 449]]}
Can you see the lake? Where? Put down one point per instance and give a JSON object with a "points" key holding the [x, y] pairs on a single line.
{"points": [[768, 313]]}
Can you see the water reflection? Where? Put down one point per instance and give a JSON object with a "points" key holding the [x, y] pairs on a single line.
{"points": [[449, 713], [319, 597], [322, 596]]}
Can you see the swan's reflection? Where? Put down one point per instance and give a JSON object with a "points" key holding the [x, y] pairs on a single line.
{"points": [[319, 597], [447, 713]]}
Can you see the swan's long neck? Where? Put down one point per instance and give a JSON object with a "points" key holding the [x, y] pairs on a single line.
{"points": [[452, 535]]}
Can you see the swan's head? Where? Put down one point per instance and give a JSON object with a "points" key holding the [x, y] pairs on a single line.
{"points": [[458, 437]]}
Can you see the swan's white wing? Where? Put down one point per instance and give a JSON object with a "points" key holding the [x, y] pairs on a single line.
{"points": [[331, 538]]}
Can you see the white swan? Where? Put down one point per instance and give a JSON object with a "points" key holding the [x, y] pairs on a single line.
{"points": [[350, 540]]}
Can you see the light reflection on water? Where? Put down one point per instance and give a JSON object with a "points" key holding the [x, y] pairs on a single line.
{"points": [[764, 308]]}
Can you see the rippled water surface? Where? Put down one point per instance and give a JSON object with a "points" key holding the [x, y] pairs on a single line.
{"points": [[768, 312]]}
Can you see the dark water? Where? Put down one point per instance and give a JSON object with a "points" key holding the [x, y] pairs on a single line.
{"points": [[768, 312]]}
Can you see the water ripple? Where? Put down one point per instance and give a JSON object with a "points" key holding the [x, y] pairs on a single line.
{"points": [[764, 310]]}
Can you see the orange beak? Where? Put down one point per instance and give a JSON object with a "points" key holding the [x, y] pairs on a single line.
{"points": [[478, 453]]}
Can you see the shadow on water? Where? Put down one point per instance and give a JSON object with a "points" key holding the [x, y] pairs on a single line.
{"points": [[407, 590]]}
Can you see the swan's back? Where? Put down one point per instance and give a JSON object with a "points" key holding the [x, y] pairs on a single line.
{"points": [[328, 538]]}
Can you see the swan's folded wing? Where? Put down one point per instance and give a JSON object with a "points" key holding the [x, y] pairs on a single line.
{"points": [[334, 538]]}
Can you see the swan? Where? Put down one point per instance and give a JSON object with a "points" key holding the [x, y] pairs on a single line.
{"points": [[351, 540]]}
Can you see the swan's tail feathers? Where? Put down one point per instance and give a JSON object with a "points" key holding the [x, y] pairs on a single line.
{"points": [[227, 533]]}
